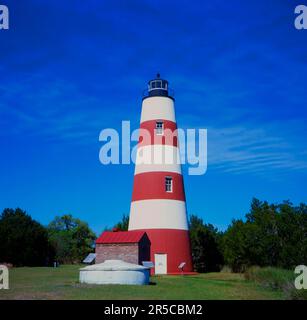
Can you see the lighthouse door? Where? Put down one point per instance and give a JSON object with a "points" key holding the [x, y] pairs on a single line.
{"points": [[160, 263]]}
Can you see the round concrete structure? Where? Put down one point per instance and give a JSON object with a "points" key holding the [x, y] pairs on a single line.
{"points": [[115, 272]]}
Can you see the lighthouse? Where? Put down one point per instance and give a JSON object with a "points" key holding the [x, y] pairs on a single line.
{"points": [[158, 205]]}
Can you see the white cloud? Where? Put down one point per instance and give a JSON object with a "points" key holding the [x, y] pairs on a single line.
{"points": [[238, 150]]}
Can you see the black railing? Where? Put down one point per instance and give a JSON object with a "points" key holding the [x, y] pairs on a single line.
{"points": [[159, 92]]}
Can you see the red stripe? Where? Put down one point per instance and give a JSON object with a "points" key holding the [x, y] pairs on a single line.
{"points": [[175, 243], [151, 185], [149, 136]]}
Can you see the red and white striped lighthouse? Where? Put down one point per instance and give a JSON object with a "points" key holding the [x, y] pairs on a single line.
{"points": [[158, 201]]}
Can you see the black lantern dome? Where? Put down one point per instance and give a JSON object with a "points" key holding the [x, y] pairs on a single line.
{"points": [[158, 87]]}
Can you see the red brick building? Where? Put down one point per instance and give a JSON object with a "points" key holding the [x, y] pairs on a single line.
{"points": [[129, 246]]}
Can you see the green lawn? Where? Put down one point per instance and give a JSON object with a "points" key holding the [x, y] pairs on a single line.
{"points": [[62, 283]]}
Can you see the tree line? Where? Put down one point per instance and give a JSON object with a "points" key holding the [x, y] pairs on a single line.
{"points": [[269, 235], [25, 242]]}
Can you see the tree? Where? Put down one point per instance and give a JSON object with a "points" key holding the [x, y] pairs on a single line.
{"points": [[71, 238], [23, 241], [235, 246], [293, 234], [272, 235], [206, 253], [123, 224]]}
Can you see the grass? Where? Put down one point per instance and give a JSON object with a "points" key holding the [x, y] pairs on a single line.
{"points": [[277, 279], [62, 283]]}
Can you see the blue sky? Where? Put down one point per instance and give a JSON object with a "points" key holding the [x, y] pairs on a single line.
{"points": [[71, 68]]}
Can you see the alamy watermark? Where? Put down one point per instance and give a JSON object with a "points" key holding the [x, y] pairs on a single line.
{"points": [[4, 277], [301, 280], [4, 17], [155, 147], [300, 21]]}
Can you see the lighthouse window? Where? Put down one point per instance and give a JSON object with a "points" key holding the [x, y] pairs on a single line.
{"points": [[159, 127], [168, 184], [158, 84]]}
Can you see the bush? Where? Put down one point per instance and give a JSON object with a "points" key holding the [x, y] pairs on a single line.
{"points": [[226, 269], [277, 279], [271, 277]]}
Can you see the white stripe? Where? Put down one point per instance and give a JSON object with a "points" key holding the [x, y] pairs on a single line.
{"points": [[158, 214], [142, 168], [155, 108], [157, 158]]}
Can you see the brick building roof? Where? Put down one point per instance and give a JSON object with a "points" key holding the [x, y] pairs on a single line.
{"points": [[121, 237]]}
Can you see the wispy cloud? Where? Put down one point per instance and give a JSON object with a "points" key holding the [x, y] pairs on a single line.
{"points": [[240, 150], [53, 110], [69, 85]]}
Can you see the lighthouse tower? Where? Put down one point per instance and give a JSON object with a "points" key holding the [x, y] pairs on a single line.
{"points": [[158, 204]]}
